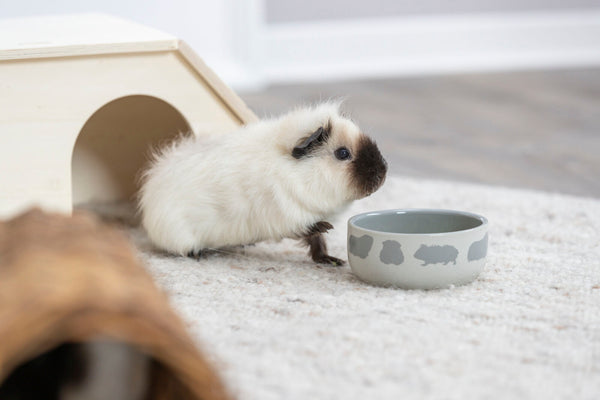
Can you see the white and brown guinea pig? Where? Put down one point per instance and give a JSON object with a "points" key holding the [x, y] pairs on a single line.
{"points": [[273, 179]]}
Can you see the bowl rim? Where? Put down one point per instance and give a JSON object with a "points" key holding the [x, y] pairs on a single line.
{"points": [[484, 221]]}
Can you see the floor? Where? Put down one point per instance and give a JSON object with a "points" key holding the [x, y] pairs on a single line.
{"points": [[534, 129]]}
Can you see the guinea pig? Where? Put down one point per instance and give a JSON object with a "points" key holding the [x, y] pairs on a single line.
{"points": [[277, 178]]}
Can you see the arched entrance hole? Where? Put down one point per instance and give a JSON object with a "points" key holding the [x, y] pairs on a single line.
{"points": [[115, 143]]}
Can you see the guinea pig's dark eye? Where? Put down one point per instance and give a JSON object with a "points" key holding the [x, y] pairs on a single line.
{"points": [[342, 153]]}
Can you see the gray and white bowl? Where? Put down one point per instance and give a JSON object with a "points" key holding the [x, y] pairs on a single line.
{"points": [[417, 248]]}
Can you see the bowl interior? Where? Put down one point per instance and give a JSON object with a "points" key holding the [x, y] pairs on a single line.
{"points": [[418, 221]]}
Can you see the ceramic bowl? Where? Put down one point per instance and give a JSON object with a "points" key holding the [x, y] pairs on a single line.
{"points": [[417, 248]]}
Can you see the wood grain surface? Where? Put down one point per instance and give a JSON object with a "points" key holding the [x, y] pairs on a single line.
{"points": [[534, 129]]}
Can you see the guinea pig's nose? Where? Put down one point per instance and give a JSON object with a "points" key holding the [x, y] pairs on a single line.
{"points": [[369, 167], [380, 174], [385, 167]]}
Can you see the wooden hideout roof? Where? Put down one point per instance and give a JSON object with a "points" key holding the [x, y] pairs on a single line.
{"points": [[98, 34]]}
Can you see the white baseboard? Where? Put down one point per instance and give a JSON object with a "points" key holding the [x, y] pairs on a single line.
{"points": [[332, 50]]}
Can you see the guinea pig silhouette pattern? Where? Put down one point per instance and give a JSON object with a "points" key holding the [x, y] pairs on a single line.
{"points": [[437, 254], [478, 249], [391, 252], [360, 246]]}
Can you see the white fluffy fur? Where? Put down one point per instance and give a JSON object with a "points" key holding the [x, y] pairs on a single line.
{"points": [[244, 187]]}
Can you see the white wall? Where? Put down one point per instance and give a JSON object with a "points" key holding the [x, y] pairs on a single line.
{"points": [[201, 22], [343, 39], [204, 24], [281, 11], [254, 42]]}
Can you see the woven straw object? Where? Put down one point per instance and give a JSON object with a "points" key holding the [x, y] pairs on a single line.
{"points": [[74, 279]]}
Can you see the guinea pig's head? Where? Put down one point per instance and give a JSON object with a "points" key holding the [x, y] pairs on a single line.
{"points": [[337, 155]]}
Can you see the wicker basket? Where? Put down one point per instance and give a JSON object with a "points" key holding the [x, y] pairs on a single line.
{"points": [[73, 279]]}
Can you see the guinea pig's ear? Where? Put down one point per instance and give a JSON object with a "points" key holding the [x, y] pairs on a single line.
{"points": [[312, 142]]}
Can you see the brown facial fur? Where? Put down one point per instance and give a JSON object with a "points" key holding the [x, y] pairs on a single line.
{"points": [[368, 167]]}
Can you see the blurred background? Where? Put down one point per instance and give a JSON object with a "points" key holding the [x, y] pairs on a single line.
{"points": [[503, 92]]}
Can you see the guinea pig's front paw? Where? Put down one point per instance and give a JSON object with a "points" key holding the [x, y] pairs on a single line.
{"points": [[319, 227], [329, 260]]}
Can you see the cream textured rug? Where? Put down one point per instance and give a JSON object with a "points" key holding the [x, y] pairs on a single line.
{"points": [[280, 327]]}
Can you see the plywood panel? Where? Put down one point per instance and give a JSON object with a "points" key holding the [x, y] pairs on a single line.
{"points": [[79, 34], [115, 145], [46, 102]]}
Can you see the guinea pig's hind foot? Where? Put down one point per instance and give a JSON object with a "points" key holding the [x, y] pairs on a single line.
{"points": [[195, 254]]}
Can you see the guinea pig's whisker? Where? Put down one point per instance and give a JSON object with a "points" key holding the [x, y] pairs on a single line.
{"points": [[234, 252]]}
